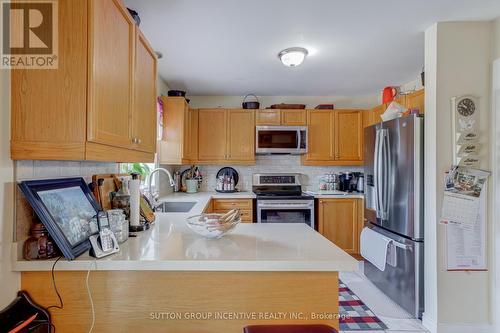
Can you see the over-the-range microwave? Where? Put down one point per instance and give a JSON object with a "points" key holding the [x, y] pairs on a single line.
{"points": [[281, 140]]}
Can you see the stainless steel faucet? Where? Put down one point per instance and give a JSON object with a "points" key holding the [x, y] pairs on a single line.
{"points": [[154, 196]]}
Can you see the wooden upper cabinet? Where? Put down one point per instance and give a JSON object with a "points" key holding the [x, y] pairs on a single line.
{"points": [[348, 135], [180, 129], [416, 100], [144, 112], [212, 135], [294, 117], [49, 107], [87, 108], [111, 41], [240, 135], [320, 136], [226, 136], [339, 222], [271, 117], [276, 117]]}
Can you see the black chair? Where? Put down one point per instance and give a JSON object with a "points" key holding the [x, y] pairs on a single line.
{"points": [[26, 315], [289, 329]]}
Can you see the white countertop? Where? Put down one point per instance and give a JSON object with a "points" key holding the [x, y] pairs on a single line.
{"points": [[335, 194], [171, 246]]}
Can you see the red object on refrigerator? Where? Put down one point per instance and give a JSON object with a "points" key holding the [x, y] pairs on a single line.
{"points": [[388, 94]]}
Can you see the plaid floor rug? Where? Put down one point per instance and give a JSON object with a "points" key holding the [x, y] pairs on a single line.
{"points": [[354, 314]]}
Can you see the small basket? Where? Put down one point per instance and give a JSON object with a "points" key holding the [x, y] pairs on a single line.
{"points": [[252, 104]]}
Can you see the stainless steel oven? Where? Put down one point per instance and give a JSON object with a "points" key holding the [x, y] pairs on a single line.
{"points": [[281, 140], [280, 199], [291, 210]]}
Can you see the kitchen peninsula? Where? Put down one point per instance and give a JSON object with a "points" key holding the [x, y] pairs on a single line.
{"points": [[168, 279]]}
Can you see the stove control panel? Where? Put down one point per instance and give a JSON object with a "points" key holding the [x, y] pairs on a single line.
{"points": [[276, 179]]}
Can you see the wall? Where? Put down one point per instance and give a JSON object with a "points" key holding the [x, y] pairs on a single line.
{"points": [[310, 179], [495, 136], [456, 301], [9, 280], [361, 102]]}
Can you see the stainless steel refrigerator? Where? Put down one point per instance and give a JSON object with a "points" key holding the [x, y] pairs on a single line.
{"points": [[393, 155]]}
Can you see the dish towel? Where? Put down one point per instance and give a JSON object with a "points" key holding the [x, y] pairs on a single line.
{"points": [[374, 247]]}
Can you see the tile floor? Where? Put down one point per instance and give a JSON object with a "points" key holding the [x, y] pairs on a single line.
{"points": [[396, 319]]}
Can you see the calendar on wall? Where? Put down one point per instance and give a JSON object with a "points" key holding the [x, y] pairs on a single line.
{"points": [[466, 139]]}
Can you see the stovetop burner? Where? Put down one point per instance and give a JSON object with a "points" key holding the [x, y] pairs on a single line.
{"points": [[302, 196]]}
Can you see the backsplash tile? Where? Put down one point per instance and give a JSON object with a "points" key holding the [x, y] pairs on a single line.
{"points": [[311, 175]]}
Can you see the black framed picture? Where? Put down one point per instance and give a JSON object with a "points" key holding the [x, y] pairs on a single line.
{"points": [[67, 209]]}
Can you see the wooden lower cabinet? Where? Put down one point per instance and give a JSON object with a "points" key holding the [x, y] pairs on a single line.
{"points": [[340, 220], [244, 205]]}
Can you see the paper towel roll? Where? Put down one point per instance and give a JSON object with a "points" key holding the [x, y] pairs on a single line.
{"points": [[135, 195]]}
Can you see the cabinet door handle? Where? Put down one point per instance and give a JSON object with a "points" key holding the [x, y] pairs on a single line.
{"points": [[136, 141]]}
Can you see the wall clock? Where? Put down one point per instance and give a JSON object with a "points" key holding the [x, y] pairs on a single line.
{"points": [[465, 128]]}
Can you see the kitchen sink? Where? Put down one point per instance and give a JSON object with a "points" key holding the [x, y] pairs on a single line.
{"points": [[175, 207]]}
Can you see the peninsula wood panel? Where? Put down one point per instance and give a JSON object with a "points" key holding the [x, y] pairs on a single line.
{"points": [[111, 58], [144, 112], [212, 135], [339, 222], [348, 135], [294, 117], [49, 107], [240, 135], [120, 306]]}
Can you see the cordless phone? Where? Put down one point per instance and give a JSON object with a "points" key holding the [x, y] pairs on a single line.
{"points": [[105, 242]]}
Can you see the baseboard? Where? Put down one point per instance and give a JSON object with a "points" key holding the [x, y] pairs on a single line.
{"points": [[429, 323], [464, 328]]}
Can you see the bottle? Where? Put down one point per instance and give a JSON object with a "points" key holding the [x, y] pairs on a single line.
{"points": [[135, 198]]}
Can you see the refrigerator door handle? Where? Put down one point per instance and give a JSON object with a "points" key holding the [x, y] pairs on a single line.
{"points": [[386, 152], [376, 172]]}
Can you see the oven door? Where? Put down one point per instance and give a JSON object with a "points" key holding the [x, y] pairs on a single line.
{"points": [[286, 211], [281, 139]]}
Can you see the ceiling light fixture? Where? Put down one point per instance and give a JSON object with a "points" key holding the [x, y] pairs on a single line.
{"points": [[293, 56]]}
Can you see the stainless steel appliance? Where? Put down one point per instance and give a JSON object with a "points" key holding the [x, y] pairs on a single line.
{"points": [[281, 140], [280, 199], [394, 206]]}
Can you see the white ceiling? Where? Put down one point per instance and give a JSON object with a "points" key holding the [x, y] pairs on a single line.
{"points": [[230, 47]]}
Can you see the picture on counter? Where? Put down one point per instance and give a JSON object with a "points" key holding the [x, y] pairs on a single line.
{"points": [[72, 212], [67, 209]]}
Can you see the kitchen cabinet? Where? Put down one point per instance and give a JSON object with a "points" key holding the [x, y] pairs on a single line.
{"points": [[294, 117], [86, 108], [245, 206], [416, 100], [271, 117], [144, 116], [348, 135], [275, 117], [339, 220], [179, 143], [226, 136], [335, 137]]}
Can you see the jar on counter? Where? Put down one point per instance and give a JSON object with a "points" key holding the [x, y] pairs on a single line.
{"points": [[40, 245]]}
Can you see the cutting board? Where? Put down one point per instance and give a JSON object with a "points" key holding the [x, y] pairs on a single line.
{"points": [[110, 183]]}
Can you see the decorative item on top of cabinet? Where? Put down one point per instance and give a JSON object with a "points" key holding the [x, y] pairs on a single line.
{"points": [[93, 118], [226, 135], [179, 144], [244, 205], [291, 117], [339, 221], [335, 137]]}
